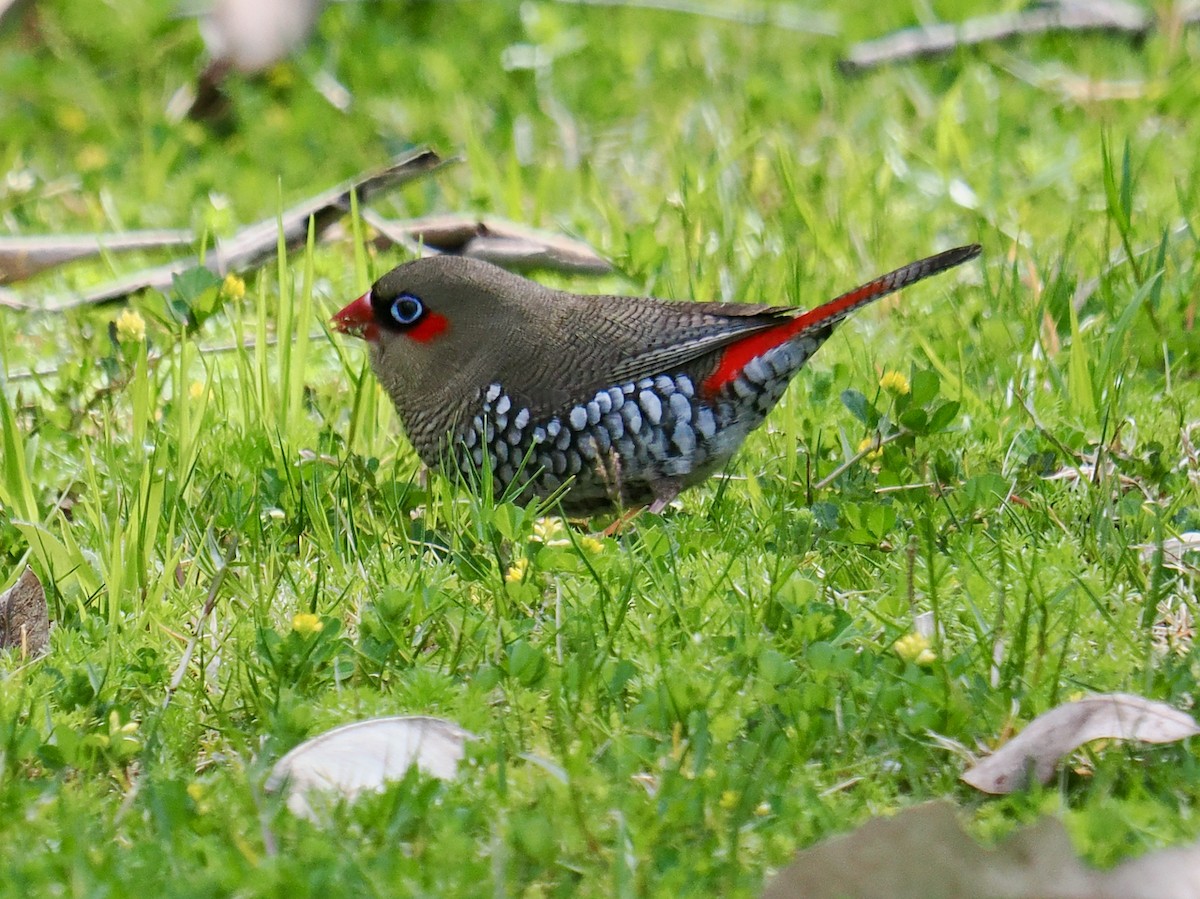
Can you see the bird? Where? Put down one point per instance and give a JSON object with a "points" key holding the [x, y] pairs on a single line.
{"points": [[600, 403]]}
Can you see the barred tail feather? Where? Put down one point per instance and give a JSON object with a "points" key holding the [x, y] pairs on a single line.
{"points": [[829, 314], [817, 323]]}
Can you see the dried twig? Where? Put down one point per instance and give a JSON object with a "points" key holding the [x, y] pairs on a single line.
{"points": [[875, 445], [34, 374], [257, 243], [1084, 291], [24, 257], [789, 17], [1065, 15], [214, 590]]}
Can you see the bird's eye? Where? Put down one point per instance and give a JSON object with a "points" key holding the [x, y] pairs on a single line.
{"points": [[406, 309]]}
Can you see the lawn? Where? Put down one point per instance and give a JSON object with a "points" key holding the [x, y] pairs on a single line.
{"points": [[712, 689]]}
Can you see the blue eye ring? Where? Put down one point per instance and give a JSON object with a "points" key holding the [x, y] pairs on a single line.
{"points": [[406, 309]]}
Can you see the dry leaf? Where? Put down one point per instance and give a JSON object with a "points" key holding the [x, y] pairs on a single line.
{"points": [[923, 853], [1047, 738], [24, 618], [366, 755], [500, 242]]}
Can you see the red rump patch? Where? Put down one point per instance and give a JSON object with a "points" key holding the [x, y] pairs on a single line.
{"points": [[430, 326], [738, 355]]}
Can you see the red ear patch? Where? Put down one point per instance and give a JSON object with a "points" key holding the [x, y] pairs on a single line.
{"points": [[430, 326]]}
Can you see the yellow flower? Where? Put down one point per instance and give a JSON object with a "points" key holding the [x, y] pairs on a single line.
{"points": [[914, 647], [72, 119], [196, 791], [196, 389], [866, 444], [728, 799], [131, 327], [281, 76], [516, 571], [233, 287], [306, 624], [550, 532], [894, 382], [91, 157], [591, 544]]}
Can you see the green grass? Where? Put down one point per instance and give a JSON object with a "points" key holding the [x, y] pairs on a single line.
{"points": [[719, 684]]}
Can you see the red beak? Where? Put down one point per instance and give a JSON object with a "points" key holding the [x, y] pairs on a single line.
{"points": [[357, 319]]}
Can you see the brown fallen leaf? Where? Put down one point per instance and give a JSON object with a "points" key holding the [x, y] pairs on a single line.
{"points": [[1038, 748], [366, 756], [254, 244], [500, 242], [24, 257], [924, 852], [24, 618]]}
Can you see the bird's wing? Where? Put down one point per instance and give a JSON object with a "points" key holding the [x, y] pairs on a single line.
{"points": [[694, 331], [610, 341]]}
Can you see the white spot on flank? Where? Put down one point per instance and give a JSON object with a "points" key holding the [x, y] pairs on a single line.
{"points": [[633, 418], [492, 393], [756, 370], [578, 418], [521, 419], [680, 407], [684, 438], [651, 406], [503, 404]]}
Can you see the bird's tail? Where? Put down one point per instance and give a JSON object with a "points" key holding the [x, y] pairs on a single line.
{"points": [[829, 314]]}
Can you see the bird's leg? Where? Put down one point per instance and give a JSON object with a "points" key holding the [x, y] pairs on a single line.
{"points": [[619, 523], [665, 490]]}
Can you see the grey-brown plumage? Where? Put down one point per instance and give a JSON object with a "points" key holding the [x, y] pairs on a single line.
{"points": [[625, 399]]}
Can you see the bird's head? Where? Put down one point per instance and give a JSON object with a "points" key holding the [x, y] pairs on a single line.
{"points": [[442, 327], [411, 303]]}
